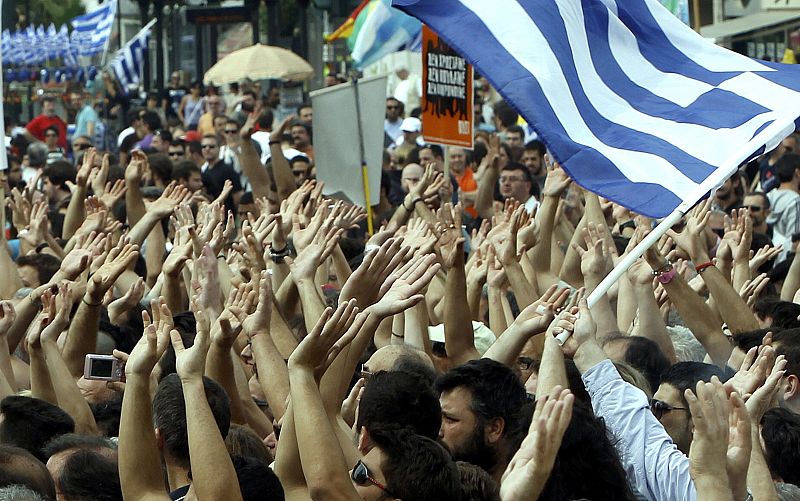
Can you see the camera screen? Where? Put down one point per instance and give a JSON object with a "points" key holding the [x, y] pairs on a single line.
{"points": [[101, 368]]}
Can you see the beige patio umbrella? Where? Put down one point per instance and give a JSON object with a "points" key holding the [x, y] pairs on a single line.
{"points": [[259, 62]]}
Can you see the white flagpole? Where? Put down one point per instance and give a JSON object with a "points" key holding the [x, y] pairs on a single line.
{"points": [[108, 40], [4, 155], [777, 130]]}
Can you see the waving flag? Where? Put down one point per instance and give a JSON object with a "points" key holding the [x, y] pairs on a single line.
{"points": [[6, 47], [129, 60], [346, 29], [91, 31], [379, 30], [635, 105]]}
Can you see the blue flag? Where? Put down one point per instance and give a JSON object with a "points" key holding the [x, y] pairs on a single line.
{"points": [[635, 105]]}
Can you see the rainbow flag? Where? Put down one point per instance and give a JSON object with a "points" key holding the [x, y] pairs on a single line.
{"points": [[346, 29], [380, 29]]}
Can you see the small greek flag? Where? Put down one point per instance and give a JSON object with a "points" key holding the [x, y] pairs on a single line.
{"points": [[91, 31], [129, 60]]}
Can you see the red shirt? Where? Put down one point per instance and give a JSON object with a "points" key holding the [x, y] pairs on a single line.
{"points": [[38, 125]]}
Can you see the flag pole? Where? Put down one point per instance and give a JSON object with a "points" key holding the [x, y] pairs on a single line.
{"points": [[4, 154], [364, 176], [777, 129]]}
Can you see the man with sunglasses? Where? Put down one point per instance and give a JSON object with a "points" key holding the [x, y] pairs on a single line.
{"points": [[758, 205], [394, 119]]}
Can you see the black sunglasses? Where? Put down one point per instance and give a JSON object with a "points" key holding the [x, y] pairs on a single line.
{"points": [[524, 363], [659, 408], [175, 153], [361, 476], [231, 131], [754, 208]]}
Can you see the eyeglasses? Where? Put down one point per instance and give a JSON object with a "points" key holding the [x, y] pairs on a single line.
{"points": [[365, 373], [659, 408], [524, 363], [361, 476], [81, 146], [209, 146], [231, 131], [754, 208]]}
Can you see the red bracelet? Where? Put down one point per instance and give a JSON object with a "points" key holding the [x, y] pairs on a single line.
{"points": [[700, 267]]}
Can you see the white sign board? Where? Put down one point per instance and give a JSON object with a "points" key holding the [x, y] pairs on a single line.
{"points": [[780, 4], [336, 138]]}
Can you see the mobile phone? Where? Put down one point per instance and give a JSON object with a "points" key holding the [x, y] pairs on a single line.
{"points": [[102, 368]]}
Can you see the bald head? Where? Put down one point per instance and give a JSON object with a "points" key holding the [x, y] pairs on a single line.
{"points": [[412, 173], [395, 357]]}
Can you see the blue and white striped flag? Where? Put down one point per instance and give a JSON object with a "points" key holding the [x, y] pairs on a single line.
{"points": [[129, 60], [635, 105], [6, 47], [91, 31]]}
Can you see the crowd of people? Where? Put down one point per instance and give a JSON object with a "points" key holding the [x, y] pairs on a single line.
{"points": [[268, 347]]}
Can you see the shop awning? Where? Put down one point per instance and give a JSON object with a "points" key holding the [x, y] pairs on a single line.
{"points": [[752, 22]]}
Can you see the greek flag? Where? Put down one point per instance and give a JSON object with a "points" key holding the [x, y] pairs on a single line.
{"points": [[635, 105], [129, 60], [91, 31], [5, 46]]}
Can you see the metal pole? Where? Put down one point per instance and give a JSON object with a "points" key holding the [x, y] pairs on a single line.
{"points": [[364, 173], [158, 5]]}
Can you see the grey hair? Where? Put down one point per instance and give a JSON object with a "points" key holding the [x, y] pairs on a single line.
{"points": [[19, 492], [687, 347], [787, 492]]}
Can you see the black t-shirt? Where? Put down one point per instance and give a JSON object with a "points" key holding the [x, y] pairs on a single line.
{"points": [[174, 97]]}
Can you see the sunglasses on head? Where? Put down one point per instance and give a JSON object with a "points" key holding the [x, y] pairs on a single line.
{"points": [[361, 476], [659, 408]]}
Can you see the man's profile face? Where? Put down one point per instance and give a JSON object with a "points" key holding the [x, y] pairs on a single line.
{"points": [[159, 144], [514, 139], [373, 461], [462, 432], [29, 276], [676, 422], [49, 189], [532, 160], [790, 144]]}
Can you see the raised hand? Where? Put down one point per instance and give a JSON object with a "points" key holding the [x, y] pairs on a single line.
{"points": [[153, 343], [119, 259], [739, 234], [190, 363], [556, 182], [329, 336], [527, 473], [258, 323], [419, 237], [595, 261], [7, 317], [763, 255], [20, 209], [450, 234], [376, 268], [99, 176], [710, 416], [112, 193], [172, 196], [692, 239], [176, 259], [401, 291], [315, 252], [119, 308], [505, 240], [752, 289], [57, 307]]}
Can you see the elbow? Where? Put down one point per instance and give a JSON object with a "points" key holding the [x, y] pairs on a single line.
{"points": [[323, 488]]}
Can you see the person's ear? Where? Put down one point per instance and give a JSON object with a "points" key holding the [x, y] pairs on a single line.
{"points": [[364, 443], [493, 430], [160, 441], [791, 388]]}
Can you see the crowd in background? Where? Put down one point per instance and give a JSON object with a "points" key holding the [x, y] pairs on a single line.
{"points": [[271, 348]]}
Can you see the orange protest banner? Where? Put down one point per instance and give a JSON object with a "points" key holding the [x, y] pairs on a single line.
{"points": [[447, 93]]}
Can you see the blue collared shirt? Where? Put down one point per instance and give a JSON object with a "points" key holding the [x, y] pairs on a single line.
{"points": [[654, 465]]}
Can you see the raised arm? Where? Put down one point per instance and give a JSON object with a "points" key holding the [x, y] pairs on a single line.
{"points": [[249, 159], [212, 469], [139, 460], [74, 216], [322, 459], [69, 395], [284, 179]]}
